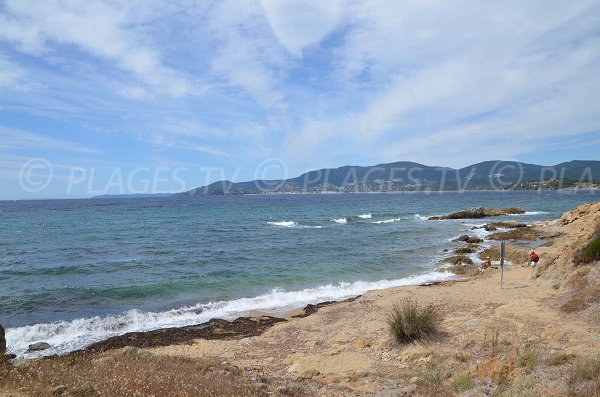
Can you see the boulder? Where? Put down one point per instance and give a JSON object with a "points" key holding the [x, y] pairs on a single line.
{"points": [[458, 260], [34, 347]]}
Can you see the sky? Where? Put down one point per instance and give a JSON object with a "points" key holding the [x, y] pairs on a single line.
{"points": [[109, 97]]}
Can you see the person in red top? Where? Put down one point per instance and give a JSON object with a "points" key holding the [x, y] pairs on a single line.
{"points": [[485, 264], [533, 258]]}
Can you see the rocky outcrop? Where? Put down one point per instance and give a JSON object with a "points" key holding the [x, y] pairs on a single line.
{"points": [[469, 239], [34, 347], [242, 327], [480, 212]]}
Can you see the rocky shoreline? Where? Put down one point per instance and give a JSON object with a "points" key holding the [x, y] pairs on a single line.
{"points": [[535, 336]]}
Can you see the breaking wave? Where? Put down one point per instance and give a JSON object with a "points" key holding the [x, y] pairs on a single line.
{"points": [[293, 224], [67, 336], [388, 221]]}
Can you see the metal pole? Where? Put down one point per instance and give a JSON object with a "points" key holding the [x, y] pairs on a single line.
{"points": [[502, 244]]}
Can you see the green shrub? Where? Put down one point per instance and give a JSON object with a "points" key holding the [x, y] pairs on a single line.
{"points": [[408, 321], [589, 253]]}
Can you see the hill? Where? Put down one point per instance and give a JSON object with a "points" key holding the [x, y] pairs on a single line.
{"points": [[409, 176]]}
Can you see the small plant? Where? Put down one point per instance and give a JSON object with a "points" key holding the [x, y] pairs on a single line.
{"points": [[560, 359], [584, 377], [462, 357], [574, 305], [528, 359], [492, 337], [408, 322], [434, 376], [463, 382], [589, 253]]}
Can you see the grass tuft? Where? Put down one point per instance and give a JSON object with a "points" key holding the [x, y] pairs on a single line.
{"points": [[434, 376], [589, 253], [528, 359], [408, 322], [584, 377], [463, 382]]}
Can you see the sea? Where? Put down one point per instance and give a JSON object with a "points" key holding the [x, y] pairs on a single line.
{"points": [[74, 272]]}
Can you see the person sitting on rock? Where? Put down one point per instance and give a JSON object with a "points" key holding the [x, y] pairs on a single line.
{"points": [[485, 264], [533, 258]]}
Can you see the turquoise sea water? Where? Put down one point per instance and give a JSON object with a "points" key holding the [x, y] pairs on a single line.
{"points": [[76, 271]]}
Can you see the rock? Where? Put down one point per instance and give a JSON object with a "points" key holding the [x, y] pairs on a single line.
{"points": [[38, 346], [361, 344], [468, 239], [481, 212], [458, 260], [135, 351], [2, 342], [108, 360], [311, 343], [474, 240], [59, 390], [415, 352], [400, 391], [464, 250], [309, 374], [495, 370]]}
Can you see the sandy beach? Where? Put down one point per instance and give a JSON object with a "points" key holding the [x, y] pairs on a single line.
{"points": [[524, 339]]}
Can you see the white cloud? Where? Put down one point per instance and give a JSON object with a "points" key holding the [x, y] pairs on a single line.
{"points": [[247, 55], [433, 80], [98, 28], [301, 23], [12, 76], [208, 150], [11, 138]]}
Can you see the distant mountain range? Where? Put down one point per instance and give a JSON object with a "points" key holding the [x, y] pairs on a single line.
{"points": [[408, 176]]}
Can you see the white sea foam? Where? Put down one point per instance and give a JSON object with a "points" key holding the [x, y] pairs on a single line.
{"points": [[530, 213], [365, 216], [66, 336], [340, 220], [388, 221], [421, 217], [284, 223], [293, 224]]}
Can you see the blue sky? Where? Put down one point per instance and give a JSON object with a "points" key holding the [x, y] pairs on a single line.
{"points": [[153, 96]]}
